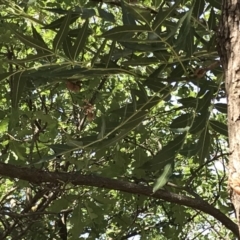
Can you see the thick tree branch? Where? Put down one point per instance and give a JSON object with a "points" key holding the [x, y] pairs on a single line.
{"points": [[39, 176]]}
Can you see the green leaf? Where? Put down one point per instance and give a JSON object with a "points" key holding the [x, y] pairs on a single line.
{"points": [[108, 58], [203, 145], [223, 208], [109, 142], [189, 150], [163, 179], [61, 148], [119, 33], [38, 37], [127, 18], [205, 102], [56, 10], [221, 107], [198, 8], [59, 204], [13, 120], [67, 46], [62, 33], [141, 61], [128, 110], [155, 84], [212, 21], [103, 128], [83, 142], [186, 25], [55, 74], [58, 23], [157, 3], [100, 49], [71, 145], [182, 121], [18, 149], [211, 46], [76, 220], [85, 12], [166, 155], [219, 127], [134, 120], [80, 41], [106, 15], [215, 3], [29, 41], [4, 125], [3, 114], [178, 71], [150, 103], [74, 32], [183, 40], [142, 93], [18, 83], [163, 15], [189, 102], [200, 122], [190, 47], [185, 22], [143, 47], [140, 14], [134, 99], [130, 122]]}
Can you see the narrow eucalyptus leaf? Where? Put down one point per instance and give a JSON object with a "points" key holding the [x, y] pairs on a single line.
{"points": [[219, 127], [56, 10], [38, 36], [163, 179], [85, 12], [57, 23], [80, 41], [29, 41], [198, 8], [182, 121], [18, 83], [103, 128], [221, 107], [143, 47], [106, 15], [140, 14], [120, 32], [166, 155], [203, 145], [99, 51], [141, 62], [199, 123], [61, 148], [163, 15], [127, 17], [62, 32], [67, 46]]}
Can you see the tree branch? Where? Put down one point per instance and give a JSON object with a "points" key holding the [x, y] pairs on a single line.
{"points": [[39, 176]]}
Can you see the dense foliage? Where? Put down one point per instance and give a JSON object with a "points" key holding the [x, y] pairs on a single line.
{"points": [[131, 91]]}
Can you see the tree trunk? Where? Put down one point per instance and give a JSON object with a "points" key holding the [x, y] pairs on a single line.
{"points": [[229, 48]]}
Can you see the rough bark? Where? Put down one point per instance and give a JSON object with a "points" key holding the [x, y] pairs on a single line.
{"points": [[39, 176], [229, 44]]}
